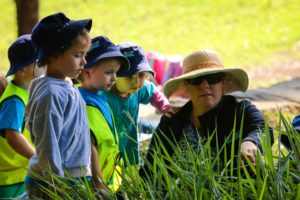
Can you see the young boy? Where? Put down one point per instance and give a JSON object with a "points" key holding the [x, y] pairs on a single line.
{"points": [[15, 148], [104, 60], [56, 113], [130, 90]]}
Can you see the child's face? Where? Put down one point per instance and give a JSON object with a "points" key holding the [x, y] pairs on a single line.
{"points": [[28, 73], [132, 83], [103, 76], [71, 62]]}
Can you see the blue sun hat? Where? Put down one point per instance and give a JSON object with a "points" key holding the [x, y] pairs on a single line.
{"points": [[103, 48], [21, 54], [137, 59], [56, 32]]}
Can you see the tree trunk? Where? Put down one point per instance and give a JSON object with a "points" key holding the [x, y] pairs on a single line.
{"points": [[27, 15]]}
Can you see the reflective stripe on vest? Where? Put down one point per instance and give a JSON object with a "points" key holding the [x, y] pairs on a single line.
{"points": [[107, 148], [13, 165]]}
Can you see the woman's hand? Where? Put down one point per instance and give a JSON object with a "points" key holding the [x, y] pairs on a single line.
{"points": [[249, 149], [172, 111]]}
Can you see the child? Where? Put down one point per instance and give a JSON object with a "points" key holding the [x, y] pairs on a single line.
{"points": [[104, 60], [130, 90], [15, 148], [55, 114]]}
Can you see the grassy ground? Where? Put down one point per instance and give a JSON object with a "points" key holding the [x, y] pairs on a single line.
{"points": [[245, 32], [203, 173]]}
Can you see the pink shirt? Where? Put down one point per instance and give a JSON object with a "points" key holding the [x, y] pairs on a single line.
{"points": [[160, 102]]}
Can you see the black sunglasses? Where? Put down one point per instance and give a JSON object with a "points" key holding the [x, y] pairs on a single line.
{"points": [[211, 79]]}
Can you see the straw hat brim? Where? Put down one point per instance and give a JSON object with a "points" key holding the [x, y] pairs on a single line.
{"points": [[236, 79]]}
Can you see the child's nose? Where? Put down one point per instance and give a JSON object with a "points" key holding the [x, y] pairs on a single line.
{"points": [[83, 60], [114, 77], [135, 80]]}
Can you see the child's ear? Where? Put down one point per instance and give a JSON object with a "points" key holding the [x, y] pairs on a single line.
{"points": [[88, 72], [23, 70]]}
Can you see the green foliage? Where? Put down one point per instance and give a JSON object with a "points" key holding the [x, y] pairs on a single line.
{"points": [[245, 32], [204, 174]]}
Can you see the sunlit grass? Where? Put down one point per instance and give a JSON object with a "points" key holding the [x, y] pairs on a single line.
{"points": [[245, 33]]}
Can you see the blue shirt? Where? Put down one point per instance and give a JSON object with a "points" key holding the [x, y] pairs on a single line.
{"points": [[12, 115], [126, 117], [57, 121]]}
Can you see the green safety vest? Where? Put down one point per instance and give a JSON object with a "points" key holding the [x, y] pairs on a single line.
{"points": [[107, 147], [13, 166]]}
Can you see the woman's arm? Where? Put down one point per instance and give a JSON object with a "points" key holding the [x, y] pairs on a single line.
{"points": [[254, 127]]}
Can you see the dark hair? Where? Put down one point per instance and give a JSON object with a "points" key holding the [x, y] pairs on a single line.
{"points": [[46, 60]]}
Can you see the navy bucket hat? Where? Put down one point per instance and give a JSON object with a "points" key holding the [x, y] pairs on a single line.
{"points": [[103, 48], [21, 54], [56, 32], [137, 59]]}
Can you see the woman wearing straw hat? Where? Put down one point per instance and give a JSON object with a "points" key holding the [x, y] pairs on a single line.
{"points": [[210, 113]]}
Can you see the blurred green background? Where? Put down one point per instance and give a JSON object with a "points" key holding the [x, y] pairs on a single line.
{"points": [[247, 33]]}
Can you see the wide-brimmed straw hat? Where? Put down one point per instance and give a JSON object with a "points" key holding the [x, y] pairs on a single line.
{"points": [[206, 62]]}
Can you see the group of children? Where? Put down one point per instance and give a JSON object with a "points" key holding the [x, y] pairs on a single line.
{"points": [[48, 125]]}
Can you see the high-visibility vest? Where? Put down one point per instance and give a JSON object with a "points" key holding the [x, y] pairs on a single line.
{"points": [[13, 166], [107, 146]]}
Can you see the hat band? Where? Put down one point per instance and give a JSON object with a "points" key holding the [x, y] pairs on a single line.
{"points": [[202, 66]]}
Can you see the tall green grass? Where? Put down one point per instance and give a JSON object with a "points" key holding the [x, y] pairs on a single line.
{"points": [[245, 32], [202, 174]]}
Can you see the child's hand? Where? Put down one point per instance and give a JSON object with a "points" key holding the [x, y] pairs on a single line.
{"points": [[172, 111], [249, 149]]}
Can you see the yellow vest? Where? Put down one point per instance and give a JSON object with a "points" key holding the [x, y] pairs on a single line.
{"points": [[13, 165], [107, 147]]}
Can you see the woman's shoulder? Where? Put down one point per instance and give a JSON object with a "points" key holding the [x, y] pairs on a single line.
{"points": [[242, 106], [229, 99], [181, 115]]}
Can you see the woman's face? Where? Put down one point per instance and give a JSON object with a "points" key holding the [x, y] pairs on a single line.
{"points": [[205, 91]]}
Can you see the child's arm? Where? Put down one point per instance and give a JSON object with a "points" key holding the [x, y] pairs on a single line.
{"points": [[159, 101], [19, 143], [97, 175]]}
